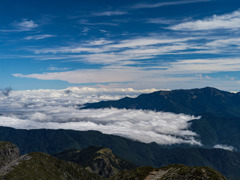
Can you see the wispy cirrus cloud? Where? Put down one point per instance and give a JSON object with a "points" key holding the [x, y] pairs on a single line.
{"points": [[70, 49], [205, 65], [106, 75], [104, 51], [109, 13], [225, 147], [147, 41], [87, 22], [38, 37], [99, 42], [161, 4], [225, 42], [160, 21], [188, 69], [136, 60], [57, 69], [229, 21], [23, 25]]}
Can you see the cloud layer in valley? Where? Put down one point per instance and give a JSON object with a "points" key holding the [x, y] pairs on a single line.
{"points": [[225, 147], [56, 109]]}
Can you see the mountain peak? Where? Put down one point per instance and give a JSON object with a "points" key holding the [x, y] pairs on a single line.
{"points": [[97, 159]]}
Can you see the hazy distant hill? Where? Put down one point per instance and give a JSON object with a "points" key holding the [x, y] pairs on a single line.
{"points": [[53, 141]]}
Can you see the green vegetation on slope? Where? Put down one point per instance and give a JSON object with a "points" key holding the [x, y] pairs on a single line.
{"points": [[96, 159], [172, 172], [43, 166], [141, 154], [139, 173], [35, 166], [182, 172]]}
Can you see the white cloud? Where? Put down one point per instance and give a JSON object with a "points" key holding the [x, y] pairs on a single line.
{"points": [[156, 74], [38, 37], [110, 75], [109, 13], [223, 43], [104, 45], [25, 25], [161, 4], [56, 109], [160, 21], [86, 76], [227, 21], [103, 51], [86, 22], [154, 51], [68, 50], [140, 61], [205, 65], [99, 42], [57, 69], [225, 147], [146, 41]]}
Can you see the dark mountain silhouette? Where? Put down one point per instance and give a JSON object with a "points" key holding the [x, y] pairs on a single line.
{"points": [[194, 102]]}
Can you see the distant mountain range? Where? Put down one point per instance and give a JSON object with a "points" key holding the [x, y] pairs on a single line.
{"points": [[194, 102], [43, 166], [220, 111]]}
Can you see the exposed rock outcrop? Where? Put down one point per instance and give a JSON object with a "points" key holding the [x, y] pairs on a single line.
{"points": [[98, 160], [8, 153], [173, 172]]}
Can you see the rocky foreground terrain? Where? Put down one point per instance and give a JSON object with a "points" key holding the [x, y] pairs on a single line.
{"points": [[92, 163]]}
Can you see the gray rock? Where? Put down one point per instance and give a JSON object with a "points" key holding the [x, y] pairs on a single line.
{"points": [[8, 153]]}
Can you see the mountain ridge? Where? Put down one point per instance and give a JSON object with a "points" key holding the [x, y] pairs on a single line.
{"points": [[196, 101], [141, 154], [38, 165], [96, 159]]}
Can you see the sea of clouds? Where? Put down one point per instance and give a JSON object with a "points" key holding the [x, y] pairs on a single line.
{"points": [[58, 109]]}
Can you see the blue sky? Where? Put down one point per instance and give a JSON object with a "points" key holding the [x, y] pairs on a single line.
{"points": [[108, 43]]}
